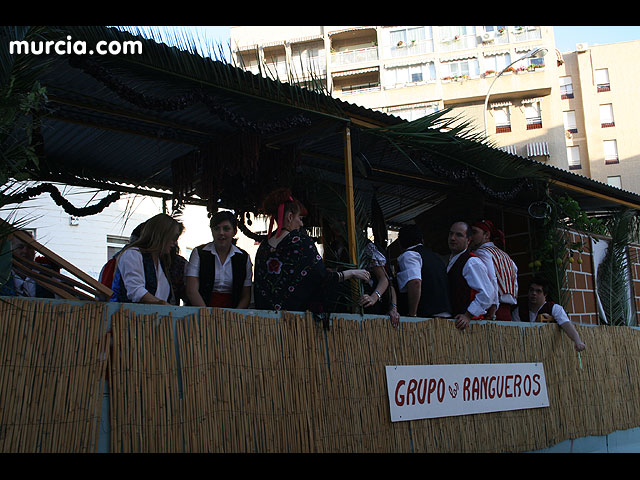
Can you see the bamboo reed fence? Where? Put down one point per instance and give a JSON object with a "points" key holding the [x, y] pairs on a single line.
{"points": [[223, 381]]}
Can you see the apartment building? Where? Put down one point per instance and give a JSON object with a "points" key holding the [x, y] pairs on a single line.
{"points": [[409, 71], [600, 101]]}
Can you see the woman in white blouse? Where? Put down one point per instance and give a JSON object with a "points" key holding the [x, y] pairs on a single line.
{"points": [[142, 267], [219, 274]]}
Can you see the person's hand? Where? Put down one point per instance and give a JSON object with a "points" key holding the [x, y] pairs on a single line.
{"points": [[580, 346], [462, 321], [545, 317], [360, 274], [394, 316], [368, 300]]}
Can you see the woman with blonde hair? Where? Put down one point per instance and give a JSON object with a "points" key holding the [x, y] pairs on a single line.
{"points": [[289, 272], [142, 271]]}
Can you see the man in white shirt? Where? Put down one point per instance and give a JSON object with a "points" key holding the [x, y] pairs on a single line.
{"points": [[538, 309], [422, 277], [470, 290], [501, 268]]}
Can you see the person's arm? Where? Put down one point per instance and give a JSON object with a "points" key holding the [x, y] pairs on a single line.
{"points": [[245, 297], [562, 319], [394, 316], [192, 280], [414, 292], [572, 333], [192, 290], [475, 273], [151, 299], [381, 287]]}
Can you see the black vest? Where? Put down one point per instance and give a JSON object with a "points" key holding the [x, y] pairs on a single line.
{"points": [[460, 293], [207, 274], [434, 296], [523, 310], [150, 280]]}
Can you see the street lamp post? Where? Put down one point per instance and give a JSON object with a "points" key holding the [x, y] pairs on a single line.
{"points": [[535, 53]]}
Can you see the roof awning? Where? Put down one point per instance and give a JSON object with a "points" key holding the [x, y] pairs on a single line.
{"points": [[509, 149], [463, 56], [535, 149], [354, 72], [500, 104]]}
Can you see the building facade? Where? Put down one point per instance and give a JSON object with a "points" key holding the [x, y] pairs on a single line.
{"points": [[549, 108]]}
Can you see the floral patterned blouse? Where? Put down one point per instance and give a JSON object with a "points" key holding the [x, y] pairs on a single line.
{"points": [[291, 276]]}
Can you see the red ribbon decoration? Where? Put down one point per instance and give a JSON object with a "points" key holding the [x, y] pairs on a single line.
{"points": [[280, 219]]}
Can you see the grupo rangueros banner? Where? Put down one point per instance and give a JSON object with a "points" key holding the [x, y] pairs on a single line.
{"points": [[430, 391]]}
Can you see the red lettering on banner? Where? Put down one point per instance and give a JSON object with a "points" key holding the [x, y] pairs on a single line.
{"points": [[411, 397], [492, 390], [516, 386], [399, 400], [536, 380], [432, 388], [527, 385], [465, 389], [422, 386], [506, 386]]}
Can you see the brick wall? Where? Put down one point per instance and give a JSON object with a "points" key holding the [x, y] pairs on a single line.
{"points": [[582, 307], [634, 258], [583, 304]]}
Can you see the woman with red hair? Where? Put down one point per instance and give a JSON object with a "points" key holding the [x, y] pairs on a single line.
{"points": [[289, 272]]}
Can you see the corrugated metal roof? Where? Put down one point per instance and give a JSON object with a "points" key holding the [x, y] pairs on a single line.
{"points": [[112, 119]]}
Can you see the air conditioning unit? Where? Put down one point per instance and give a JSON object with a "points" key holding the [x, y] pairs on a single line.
{"points": [[581, 47], [487, 36]]}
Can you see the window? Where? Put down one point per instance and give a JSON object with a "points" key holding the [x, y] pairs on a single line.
{"points": [[573, 156], [602, 80], [464, 68], [532, 114], [413, 112], [496, 63], [457, 38], [569, 118], [606, 115], [411, 41], [410, 74], [308, 58], [610, 152], [615, 181], [503, 119], [115, 243], [498, 33], [566, 88]]}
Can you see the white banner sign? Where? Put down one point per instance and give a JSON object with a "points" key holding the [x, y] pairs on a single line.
{"points": [[430, 391]]}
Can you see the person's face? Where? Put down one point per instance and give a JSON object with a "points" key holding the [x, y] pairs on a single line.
{"points": [[478, 237], [536, 294], [294, 221], [172, 242], [458, 240], [22, 249], [223, 233]]}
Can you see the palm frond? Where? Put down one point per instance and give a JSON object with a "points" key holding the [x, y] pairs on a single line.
{"points": [[456, 140], [613, 282]]}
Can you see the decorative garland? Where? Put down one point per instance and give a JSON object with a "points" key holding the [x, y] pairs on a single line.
{"points": [[468, 174], [181, 102], [57, 197]]}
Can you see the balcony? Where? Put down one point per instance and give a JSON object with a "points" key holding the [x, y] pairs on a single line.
{"points": [[349, 57], [407, 49]]}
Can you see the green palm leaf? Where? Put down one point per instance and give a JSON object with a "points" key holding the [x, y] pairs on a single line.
{"points": [[613, 282]]}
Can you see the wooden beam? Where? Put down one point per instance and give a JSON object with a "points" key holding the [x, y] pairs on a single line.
{"points": [[596, 194], [351, 219], [25, 238]]}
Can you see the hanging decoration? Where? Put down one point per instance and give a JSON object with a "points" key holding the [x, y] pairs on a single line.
{"points": [[57, 197]]}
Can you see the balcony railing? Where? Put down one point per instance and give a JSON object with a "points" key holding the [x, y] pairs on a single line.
{"points": [[405, 49], [355, 56]]}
